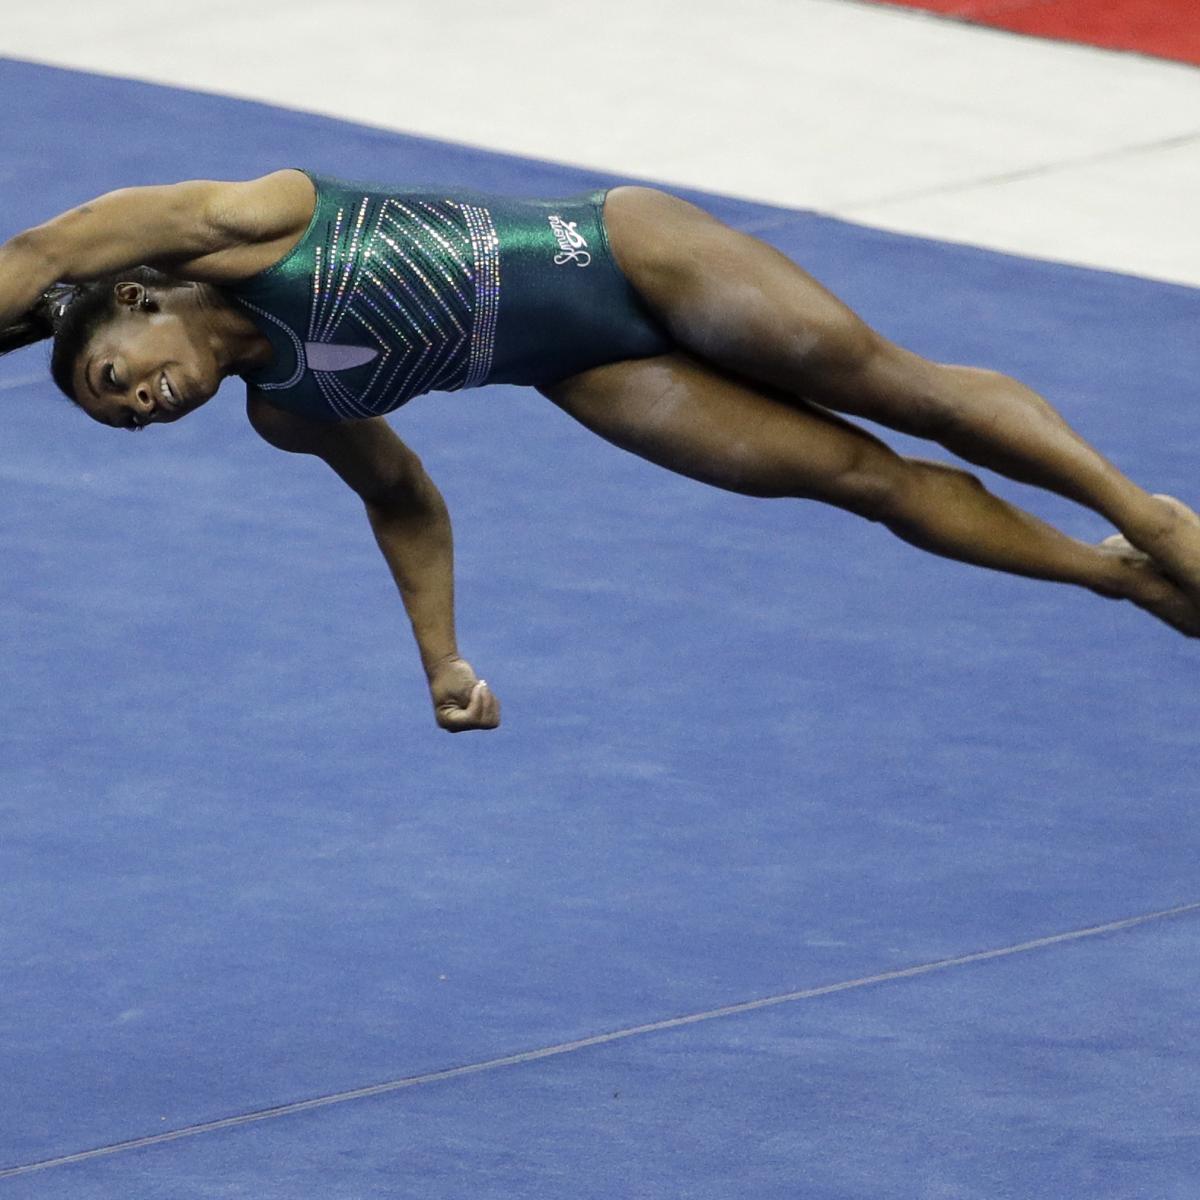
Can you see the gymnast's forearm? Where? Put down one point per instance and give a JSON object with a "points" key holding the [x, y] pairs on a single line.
{"points": [[157, 226], [412, 528]]}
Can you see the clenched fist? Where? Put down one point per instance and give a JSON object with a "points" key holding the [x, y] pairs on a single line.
{"points": [[461, 700]]}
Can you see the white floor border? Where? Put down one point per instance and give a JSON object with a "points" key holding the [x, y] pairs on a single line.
{"points": [[887, 116]]}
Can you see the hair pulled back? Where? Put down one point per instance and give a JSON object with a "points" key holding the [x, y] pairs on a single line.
{"points": [[71, 314]]}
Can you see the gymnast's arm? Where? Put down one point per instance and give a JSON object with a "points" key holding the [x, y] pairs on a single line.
{"points": [[412, 527], [201, 226]]}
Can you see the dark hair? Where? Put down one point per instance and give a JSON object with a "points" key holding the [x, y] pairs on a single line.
{"points": [[71, 315]]}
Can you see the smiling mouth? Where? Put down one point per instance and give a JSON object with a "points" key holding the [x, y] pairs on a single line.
{"points": [[172, 401]]}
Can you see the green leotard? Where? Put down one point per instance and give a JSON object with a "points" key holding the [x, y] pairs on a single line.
{"points": [[393, 292]]}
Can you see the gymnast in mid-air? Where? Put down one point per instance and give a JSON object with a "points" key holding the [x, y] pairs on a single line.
{"points": [[658, 327]]}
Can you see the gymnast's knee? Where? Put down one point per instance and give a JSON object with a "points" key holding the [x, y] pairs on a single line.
{"points": [[855, 370], [877, 488], [836, 350], [959, 401]]}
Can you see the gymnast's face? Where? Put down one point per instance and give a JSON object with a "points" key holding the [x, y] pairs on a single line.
{"points": [[154, 360]]}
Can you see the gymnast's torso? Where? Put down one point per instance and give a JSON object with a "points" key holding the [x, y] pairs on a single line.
{"points": [[393, 292]]}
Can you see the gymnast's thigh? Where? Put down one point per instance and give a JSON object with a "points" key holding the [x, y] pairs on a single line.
{"points": [[734, 300], [683, 414]]}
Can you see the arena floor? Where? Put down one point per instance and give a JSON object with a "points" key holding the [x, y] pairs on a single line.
{"points": [[804, 865]]}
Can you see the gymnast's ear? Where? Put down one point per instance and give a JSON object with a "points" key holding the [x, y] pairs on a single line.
{"points": [[129, 294]]}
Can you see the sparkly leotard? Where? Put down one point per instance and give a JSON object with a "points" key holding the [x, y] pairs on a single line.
{"points": [[394, 292]]}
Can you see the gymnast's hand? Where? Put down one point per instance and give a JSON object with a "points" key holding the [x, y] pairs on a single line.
{"points": [[461, 700]]}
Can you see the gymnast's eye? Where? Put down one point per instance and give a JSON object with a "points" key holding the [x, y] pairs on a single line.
{"points": [[110, 377]]}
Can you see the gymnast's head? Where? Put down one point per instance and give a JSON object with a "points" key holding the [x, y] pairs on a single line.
{"points": [[134, 349]]}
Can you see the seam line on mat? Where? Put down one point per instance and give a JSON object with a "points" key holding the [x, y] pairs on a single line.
{"points": [[1018, 174], [600, 1039], [847, 209]]}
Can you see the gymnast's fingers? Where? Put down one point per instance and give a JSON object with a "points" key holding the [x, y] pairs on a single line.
{"points": [[491, 707], [481, 711], [484, 706]]}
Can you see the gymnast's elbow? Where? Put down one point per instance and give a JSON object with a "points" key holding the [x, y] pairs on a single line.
{"points": [[30, 255], [368, 456], [410, 496]]}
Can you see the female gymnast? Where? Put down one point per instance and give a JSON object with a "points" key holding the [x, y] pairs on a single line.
{"points": [[695, 346]]}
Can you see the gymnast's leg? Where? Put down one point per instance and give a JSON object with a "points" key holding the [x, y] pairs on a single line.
{"points": [[732, 300], [683, 414]]}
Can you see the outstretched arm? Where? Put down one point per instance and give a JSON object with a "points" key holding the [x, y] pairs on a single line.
{"points": [[199, 228], [412, 527]]}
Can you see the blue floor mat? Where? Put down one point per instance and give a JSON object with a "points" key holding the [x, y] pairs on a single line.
{"points": [[996, 1082], [749, 748]]}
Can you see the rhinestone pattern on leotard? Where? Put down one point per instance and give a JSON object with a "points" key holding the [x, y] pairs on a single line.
{"points": [[417, 281]]}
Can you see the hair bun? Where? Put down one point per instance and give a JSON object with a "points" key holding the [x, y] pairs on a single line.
{"points": [[55, 302], [41, 321]]}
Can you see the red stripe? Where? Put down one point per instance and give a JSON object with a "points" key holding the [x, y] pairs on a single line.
{"points": [[1166, 28]]}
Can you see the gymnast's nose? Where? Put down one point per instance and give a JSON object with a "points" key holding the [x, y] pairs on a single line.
{"points": [[143, 400]]}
